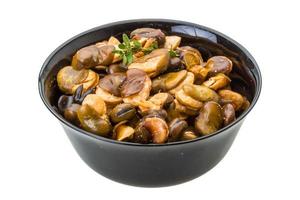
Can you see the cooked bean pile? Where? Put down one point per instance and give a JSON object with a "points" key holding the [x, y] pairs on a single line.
{"points": [[148, 89]]}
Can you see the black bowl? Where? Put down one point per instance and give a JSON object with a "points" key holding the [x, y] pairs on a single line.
{"points": [[154, 165]]}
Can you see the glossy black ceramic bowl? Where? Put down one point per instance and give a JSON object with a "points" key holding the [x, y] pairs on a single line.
{"points": [[154, 165]]}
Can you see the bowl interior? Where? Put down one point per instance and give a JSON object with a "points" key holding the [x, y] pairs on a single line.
{"points": [[245, 76]]}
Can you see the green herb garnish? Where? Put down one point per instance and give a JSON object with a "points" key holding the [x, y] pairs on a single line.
{"points": [[127, 49], [173, 53], [152, 47], [136, 45]]}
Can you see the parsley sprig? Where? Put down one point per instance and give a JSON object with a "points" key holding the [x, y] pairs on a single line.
{"points": [[152, 47], [127, 49], [173, 53]]}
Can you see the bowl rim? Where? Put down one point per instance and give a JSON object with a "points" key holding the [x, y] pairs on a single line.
{"points": [[258, 80]]}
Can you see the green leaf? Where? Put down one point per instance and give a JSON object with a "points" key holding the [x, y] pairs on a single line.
{"points": [[126, 40], [147, 50], [173, 53], [128, 48], [124, 59], [136, 44], [121, 46], [129, 58], [154, 45]]}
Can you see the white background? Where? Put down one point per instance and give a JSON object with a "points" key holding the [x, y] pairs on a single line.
{"points": [[38, 162]]}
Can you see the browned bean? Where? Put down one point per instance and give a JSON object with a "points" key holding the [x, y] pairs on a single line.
{"points": [[154, 128], [219, 64], [229, 96], [210, 118], [176, 128], [149, 89], [228, 113]]}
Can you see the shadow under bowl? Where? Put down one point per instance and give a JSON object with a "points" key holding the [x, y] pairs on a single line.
{"points": [[154, 165]]}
